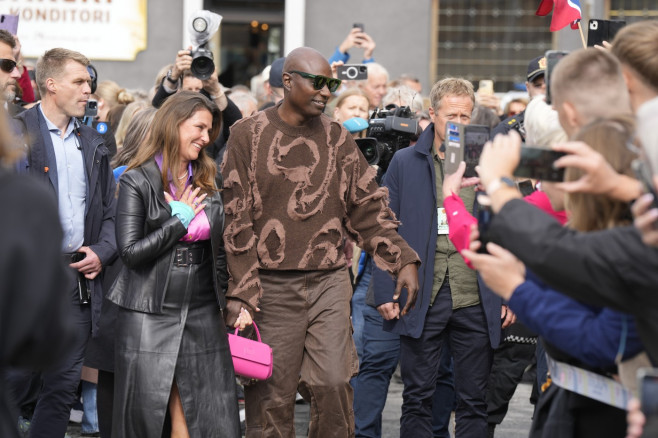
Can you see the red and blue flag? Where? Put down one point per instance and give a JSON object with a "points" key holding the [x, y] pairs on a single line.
{"points": [[565, 12]]}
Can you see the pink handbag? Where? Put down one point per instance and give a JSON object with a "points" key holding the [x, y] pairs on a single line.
{"points": [[252, 359]]}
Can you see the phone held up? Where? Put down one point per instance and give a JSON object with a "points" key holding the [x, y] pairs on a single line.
{"points": [[644, 175], [647, 384], [537, 163], [552, 58], [602, 30], [352, 72], [359, 26]]}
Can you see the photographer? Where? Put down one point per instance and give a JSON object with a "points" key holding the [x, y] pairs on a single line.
{"points": [[211, 88], [463, 313]]}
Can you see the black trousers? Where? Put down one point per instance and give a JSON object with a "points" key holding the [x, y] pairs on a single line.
{"points": [[60, 382], [465, 330]]}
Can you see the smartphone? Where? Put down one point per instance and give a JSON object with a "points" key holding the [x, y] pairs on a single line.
{"points": [[359, 26], [602, 30], [485, 214], [91, 108], [525, 187], [644, 175], [552, 58], [486, 87], [84, 292], [464, 143], [352, 72], [537, 163], [9, 23], [647, 384]]}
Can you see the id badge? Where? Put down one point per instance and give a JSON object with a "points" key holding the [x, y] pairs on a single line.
{"points": [[442, 221]]}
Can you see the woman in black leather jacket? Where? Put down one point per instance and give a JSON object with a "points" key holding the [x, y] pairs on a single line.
{"points": [[172, 354]]}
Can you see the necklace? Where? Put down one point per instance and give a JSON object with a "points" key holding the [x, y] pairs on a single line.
{"points": [[184, 176]]}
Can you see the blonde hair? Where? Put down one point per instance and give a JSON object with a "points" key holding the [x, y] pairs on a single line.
{"points": [[636, 46], [450, 87], [113, 95], [591, 80], [52, 63], [610, 138], [542, 125], [128, 113]]}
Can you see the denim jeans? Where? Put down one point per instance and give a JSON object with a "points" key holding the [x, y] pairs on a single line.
{"points": [[359, 305], [89, 413]]}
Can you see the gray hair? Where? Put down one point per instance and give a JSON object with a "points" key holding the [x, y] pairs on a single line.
{"points": [[404, 96], [542, 125]]}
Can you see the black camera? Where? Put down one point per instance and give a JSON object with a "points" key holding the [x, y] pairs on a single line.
{"points": [[389, 130], [202, 62], [352, 72]]}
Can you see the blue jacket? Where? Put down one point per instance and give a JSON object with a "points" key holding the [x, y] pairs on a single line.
{"points": [[410, 179], [340, 56], [100, 200], [590, 334]]}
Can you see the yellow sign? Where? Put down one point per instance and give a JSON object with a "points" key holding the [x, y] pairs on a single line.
{"points": [[112, 30]]}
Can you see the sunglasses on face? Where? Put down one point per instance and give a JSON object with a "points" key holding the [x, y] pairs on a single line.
{"points": [[7, 65], [320, 81]]}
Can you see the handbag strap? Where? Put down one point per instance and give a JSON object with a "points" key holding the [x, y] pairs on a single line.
{"points": [[255, 327]]}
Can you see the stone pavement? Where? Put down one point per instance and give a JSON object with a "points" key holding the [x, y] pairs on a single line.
{"points": [[516, 423]]}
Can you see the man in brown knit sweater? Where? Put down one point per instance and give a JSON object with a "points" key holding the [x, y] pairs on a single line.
{"points": [[295, 185]]}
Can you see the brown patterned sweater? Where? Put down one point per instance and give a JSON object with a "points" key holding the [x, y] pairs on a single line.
{"points": [[291, 194]]}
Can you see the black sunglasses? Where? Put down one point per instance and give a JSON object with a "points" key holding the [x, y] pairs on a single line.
{"points": [[7, 65], [320, 81]]}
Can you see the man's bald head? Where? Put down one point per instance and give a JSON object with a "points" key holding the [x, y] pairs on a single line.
{"points": [[301, 100], [308, 60]]}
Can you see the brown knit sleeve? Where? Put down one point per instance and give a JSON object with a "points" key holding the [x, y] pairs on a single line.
{"points": [[369, 217], [239, 237]]}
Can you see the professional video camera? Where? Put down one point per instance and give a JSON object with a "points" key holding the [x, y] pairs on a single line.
{"points": [[389, 130], [202, 26]]}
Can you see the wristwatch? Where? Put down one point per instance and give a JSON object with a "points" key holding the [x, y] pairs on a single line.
{"points": [[498, 183], [170, 79]]}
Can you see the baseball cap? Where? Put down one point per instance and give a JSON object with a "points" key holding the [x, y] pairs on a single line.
{"points": [[536, 68], [276, 73]]}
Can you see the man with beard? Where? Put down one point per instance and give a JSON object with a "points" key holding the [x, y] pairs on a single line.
{"points": [[9, 73]]}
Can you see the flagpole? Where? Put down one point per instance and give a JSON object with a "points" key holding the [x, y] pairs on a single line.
{"points": [[582, 37]]}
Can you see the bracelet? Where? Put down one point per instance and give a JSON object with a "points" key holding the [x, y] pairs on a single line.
{"points": [[499, 183]]}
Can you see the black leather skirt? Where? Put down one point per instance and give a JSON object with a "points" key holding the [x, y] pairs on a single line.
{"points": [[186, 342]]}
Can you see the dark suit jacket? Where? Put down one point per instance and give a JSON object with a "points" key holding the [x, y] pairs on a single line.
{"points": [[146, 235], [605, 268], [410, 179], [100, 200], [34, 305]]}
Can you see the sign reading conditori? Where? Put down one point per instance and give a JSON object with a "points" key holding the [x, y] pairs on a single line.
{"points": [[113, 30]]}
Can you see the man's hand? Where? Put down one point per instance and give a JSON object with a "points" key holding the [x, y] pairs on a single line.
{"points": [[452, 183], [600, 178], [182, 62], [334, 68], [389, 311], [90, 266], [507, 316], [635, 419], [368, 45], [499, 157], [646, 218], [499, 269], [407, 277], [350, 40]]}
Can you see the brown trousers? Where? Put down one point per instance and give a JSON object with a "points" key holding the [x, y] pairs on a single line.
{"points": [[305, 318]]}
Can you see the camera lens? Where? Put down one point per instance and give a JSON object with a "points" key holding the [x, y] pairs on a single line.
{"points": [[202, 63], [351, 73]]}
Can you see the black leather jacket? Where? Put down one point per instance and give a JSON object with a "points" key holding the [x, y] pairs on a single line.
{"points": [[146, 235]]}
